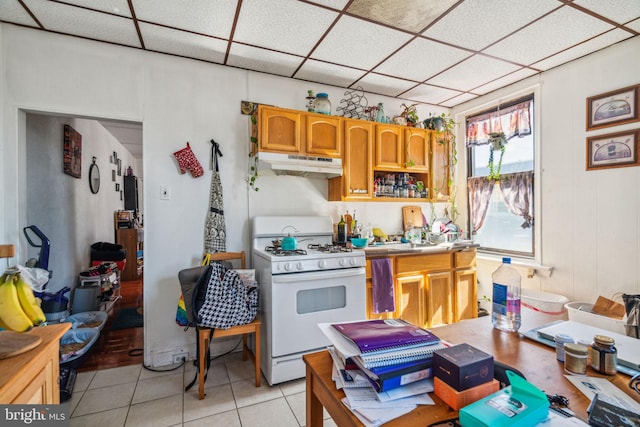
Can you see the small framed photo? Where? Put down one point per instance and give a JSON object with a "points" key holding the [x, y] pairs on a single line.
{"points": [[113, 175], [613, 150], [613, 108], [117, 186], [119, 167], [120, 194]]}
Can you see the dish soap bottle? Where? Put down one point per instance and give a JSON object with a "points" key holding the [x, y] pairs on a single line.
{"points": [[506, 297]]}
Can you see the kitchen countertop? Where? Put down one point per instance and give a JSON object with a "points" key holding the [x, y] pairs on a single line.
{"points": [[410, 248]]}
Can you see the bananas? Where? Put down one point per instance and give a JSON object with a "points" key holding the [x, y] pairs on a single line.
{"points": [[19, 309], [28, 301], [380, 234]]}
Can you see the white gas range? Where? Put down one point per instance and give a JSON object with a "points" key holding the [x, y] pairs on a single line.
{"points": [[316, 283]]}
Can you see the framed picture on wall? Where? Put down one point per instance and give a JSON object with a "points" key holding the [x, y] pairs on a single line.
{"points": [[72, 152], [613, 108], [613, 150]]}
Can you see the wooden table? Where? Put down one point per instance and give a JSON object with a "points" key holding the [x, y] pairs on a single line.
{"points": [[536, 361], [32, 377]]}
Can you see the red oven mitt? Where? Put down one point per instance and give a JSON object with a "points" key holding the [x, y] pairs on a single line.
{"points": [[187, 160]]}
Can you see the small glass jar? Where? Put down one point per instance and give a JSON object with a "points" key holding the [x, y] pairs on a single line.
{"points": [[575, 359], [322, 104], [560, 340], [604, 355]]}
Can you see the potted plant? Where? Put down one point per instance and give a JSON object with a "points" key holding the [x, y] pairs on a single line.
{"points": [[409, 114], [497, 141]]}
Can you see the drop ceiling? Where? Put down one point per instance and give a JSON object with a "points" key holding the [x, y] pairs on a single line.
{"points": [[439, 52]]}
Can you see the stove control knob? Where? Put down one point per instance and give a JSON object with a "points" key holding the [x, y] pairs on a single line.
{"points": [[322, 263], [343, 262], [352, 261], [287, 266], [299, 266]]}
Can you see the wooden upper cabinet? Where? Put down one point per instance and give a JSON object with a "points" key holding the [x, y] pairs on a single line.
{"points": [[356, 182], [388, 147], [416, 153], [440, 167], [323, 135], [280, 130]]}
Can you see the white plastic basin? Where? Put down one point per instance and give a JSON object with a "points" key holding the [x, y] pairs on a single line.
{"points": [[544, 302]]}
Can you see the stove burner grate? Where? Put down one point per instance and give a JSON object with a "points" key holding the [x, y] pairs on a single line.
{"points": [[281, 252], [328, 248]]}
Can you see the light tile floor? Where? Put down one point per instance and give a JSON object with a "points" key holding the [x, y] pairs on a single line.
{"points": [[133, 396]]}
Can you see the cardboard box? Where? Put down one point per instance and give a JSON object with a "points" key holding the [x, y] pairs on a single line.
{"points": [[519, 405], [463, 366], [457, 399]]}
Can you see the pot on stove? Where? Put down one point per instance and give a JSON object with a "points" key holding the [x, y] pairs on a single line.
{"points": [[289, 243]]}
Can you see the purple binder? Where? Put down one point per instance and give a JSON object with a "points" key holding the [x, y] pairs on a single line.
{"points": [[385, 335]]}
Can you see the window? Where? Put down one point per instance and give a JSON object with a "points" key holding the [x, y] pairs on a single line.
{"points": [[500, 182]]}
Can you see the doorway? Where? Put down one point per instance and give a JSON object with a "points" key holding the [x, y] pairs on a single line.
{"points": [[71, 210]]}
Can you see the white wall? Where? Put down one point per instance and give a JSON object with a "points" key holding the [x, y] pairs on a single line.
{"points": [[588, 220], [177, 100]]}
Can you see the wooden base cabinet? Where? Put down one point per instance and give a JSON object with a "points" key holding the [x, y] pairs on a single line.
{"points": [[31, 378], [430, 289]]}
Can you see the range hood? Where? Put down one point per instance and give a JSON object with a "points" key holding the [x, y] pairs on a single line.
{"points": [[299, 165]]}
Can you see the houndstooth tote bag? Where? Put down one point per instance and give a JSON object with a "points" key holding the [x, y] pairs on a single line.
{"points": [[228, 302]]}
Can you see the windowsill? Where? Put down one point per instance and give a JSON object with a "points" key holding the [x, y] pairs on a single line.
{"points": [[529, 264]]}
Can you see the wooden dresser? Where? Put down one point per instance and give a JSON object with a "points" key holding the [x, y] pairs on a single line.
{"points": [[32, 377]]}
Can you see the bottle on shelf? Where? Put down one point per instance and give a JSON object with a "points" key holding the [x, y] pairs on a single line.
{"points": [[380, 113], [506, 297], [342, 230], [322, 104]]}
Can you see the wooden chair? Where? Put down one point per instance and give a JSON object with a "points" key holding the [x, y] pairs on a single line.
{"points": [[7, 251], [205, 334]]}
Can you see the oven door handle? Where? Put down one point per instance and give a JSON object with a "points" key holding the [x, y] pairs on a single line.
{"points": [[327, 274]]}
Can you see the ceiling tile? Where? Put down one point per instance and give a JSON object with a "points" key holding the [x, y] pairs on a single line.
{"points": [[583, 49], [480, 27], [214, 18], [12, 11], [484, 70], [286, 26], [334, 4], [409, 15], [375, 83], [118, 7], [635, 25], [181, 43], [430, 94], [323, 72], [421, 59], [358, 43], [84, 23], [557, 31], [504, 81], [265, 60], [623, 12], [458, 100]]}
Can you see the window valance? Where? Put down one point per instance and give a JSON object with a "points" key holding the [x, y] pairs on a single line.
{"points": [[512, 120]]}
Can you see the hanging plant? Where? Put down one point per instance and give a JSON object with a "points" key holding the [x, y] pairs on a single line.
{"points": [[253, 153], [497, 141]]}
